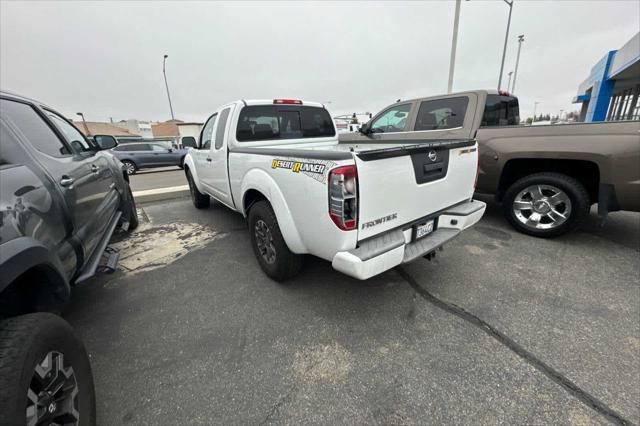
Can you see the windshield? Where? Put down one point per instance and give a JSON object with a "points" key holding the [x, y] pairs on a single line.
{"points": [[268, 122]]}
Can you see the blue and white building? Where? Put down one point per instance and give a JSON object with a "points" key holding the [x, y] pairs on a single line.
{"points": [[612, 90]]}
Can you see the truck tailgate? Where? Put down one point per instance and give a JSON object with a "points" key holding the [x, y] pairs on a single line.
{"points": [[402, 184]]}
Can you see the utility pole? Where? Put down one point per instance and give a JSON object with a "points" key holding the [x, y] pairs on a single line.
{"points": [[509, 82], [506, 37], [535, 106], [515, 74], [164, 61], [84, 123], [454, 42]]}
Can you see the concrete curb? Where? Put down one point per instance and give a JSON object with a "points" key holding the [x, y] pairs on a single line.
{"points": [[160, 194]]}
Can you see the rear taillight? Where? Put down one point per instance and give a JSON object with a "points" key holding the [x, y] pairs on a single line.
{"points": [[343, 197]]}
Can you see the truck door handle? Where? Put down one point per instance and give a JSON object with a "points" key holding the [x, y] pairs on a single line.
{"points": [[66, 181], [94, 168], [209, 159]]}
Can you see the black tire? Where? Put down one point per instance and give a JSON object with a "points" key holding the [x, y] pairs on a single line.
{"points": [[579, 203], [130, 167], [25, 342], [200, 200], [131, 210], [181, 165], [286, 264]]}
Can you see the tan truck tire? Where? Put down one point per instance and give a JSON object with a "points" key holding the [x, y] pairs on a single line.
{"points": [[546, 204]]}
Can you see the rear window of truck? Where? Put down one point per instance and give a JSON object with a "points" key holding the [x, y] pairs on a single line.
{"points": [[501, 111], [269, 122]]}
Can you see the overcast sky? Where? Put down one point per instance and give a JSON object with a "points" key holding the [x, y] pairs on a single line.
{"points": [[105, 58]]}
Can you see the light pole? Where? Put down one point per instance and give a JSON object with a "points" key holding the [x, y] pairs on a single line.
{"points": [[506, 37], [509, 82], [84, 123], [454, 42], [164, 61], [535, 106], [515, 74]]}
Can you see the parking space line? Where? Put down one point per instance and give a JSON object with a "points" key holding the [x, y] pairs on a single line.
{"points": [[579, 393]]}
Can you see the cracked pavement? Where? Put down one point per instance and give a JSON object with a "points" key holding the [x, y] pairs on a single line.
{"points": [[208, 339]]}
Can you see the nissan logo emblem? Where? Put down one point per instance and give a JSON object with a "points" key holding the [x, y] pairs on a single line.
{"points": [[433, 156]]}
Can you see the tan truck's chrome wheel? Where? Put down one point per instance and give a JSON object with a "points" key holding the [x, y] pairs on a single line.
{"points": [[542, 207]]}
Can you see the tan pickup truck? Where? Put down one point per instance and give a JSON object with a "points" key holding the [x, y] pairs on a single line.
{"points": [[546, 177]]}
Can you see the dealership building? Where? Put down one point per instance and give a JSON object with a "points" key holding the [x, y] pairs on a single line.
{"points": [[612, 90]]}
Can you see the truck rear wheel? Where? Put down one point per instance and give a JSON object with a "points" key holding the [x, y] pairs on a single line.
{"points": [[274, 257], [200, 200], [546, 204], [45, 375]]}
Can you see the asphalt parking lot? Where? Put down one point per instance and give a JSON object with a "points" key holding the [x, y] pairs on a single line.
{"points": [[499, 328]]}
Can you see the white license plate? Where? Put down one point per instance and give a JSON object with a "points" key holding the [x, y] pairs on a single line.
{"points": [[424, 229]]}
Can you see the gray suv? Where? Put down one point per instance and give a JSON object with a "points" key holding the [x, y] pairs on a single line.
{"points": [[62, 196], [140, 155]]}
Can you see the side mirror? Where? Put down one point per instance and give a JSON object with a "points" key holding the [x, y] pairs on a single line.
{"points": [[365, 129], [189, 142], [170, 150], [105, 141]]}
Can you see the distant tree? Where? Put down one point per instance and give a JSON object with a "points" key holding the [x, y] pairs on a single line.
{"points": [[529, 120]]}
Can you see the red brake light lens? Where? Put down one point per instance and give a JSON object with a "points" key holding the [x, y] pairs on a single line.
{"points": [[287, 102], [343, 197], [503, 93]]}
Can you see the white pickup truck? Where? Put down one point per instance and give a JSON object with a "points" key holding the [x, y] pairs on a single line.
{"points": [[365, 207]]}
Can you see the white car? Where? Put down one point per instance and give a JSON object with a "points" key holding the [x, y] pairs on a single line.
{"points": [[365, 207]]}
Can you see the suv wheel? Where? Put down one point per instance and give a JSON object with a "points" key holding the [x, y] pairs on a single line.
{"points": [[45, 375], [130, 167], [274, 257], [546, 204], [200, 200]]}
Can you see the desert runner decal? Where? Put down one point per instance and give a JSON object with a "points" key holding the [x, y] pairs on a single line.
{"points": [[298, 166], [317, 170]]}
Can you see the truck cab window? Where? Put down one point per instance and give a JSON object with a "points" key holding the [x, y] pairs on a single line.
{"points": [[34, 128], [221, 127], [76, 139], [207, 133], [501, 111], [392, 120], [269, 122], [440, 114]]}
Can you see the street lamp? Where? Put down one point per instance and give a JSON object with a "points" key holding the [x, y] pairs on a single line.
{"points": [[84, 123], [506, 37], [515, 74], [164, 61], [454, 42], [509, 82]]}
